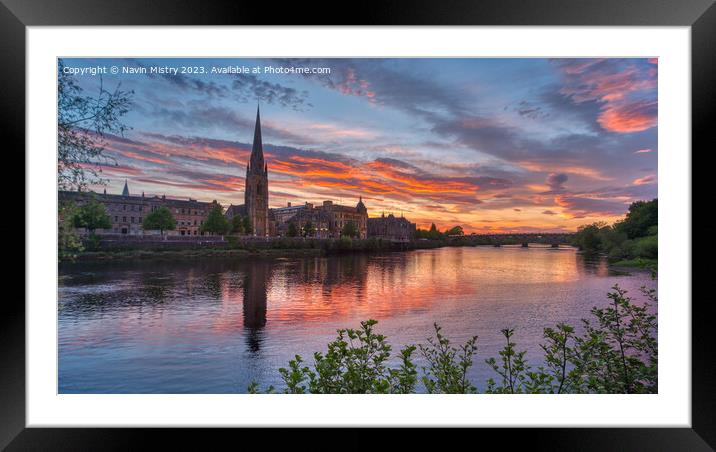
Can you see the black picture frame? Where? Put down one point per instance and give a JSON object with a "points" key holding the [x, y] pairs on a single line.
{"points": [[700, 15]]}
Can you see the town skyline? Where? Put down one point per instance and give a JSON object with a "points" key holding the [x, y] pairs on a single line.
{"points": [[492, 145]]}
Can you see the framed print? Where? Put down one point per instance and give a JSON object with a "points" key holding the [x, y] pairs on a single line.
{"points": [[359, 226]]}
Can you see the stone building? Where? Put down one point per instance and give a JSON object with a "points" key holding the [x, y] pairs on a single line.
{"points": [[127, 212], [342, 215], [391, 228], [256, 186], [334, 216], [284, 214], [317, 218], [256, 195]]}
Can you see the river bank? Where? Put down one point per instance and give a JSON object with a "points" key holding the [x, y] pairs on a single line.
{"points": [[194, 253], [144, 248]]}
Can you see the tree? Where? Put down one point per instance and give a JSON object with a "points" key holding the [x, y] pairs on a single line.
{"points": [[309, 230], [82, 124], [237, 224], [68, 241], [216, 222], [589, 237], [161, 219], [434, 233], [292, 230], [641, 217], [247, 225], [349, 230], [457, 230], [92, 215]]}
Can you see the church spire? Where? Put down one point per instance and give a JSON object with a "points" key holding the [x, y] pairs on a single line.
{"points": [[257, 150], [125, 192]]}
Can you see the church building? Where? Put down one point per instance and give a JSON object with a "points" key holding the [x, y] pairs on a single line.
{"points": [[256, 188]]}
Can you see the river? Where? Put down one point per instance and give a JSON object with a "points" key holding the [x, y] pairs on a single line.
{"points": [[213, 325]]}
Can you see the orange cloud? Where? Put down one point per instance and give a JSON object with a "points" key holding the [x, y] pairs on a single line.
{"points": [[620, 90], [633, 117], [551, 167]]}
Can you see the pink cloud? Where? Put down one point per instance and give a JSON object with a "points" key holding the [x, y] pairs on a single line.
{"points": [[620, 90], [645, 180]]}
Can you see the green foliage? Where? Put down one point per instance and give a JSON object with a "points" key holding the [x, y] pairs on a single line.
{"points": [[161, 219], [68, 241], [308, 229], [641, 217], [513, 369], [589, 237], [447, 368], [292, 230], [558, 354], [632, 238], [237, 225], [457, 230], [432, 234], [646, 247], [92, 215], [616, 353], [344, 244], [216, 222], [82, 124], [350, 230], [355, 363]]}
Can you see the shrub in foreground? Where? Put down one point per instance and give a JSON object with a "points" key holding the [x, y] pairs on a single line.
{"points": [[616, 353]]}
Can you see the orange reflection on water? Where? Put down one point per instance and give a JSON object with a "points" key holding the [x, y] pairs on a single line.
{"points": [[369, 286]]}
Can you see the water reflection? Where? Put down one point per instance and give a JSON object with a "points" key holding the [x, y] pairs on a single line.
{"points": [[255, 300], [214, 325]]}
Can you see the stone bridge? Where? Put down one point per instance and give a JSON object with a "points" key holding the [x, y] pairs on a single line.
{"points": [[523, 239]]}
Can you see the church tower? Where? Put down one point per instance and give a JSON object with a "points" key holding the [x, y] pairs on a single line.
{"points": [[256, 191]]}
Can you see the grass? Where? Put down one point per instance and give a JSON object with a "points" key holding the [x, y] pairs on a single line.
{"points": [[639, 262]]}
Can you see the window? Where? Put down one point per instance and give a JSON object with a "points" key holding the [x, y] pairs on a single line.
{"points": [[124, 219], [132, 219]]}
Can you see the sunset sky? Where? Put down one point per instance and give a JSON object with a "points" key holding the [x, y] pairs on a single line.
{"points": [[490, 144]]}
